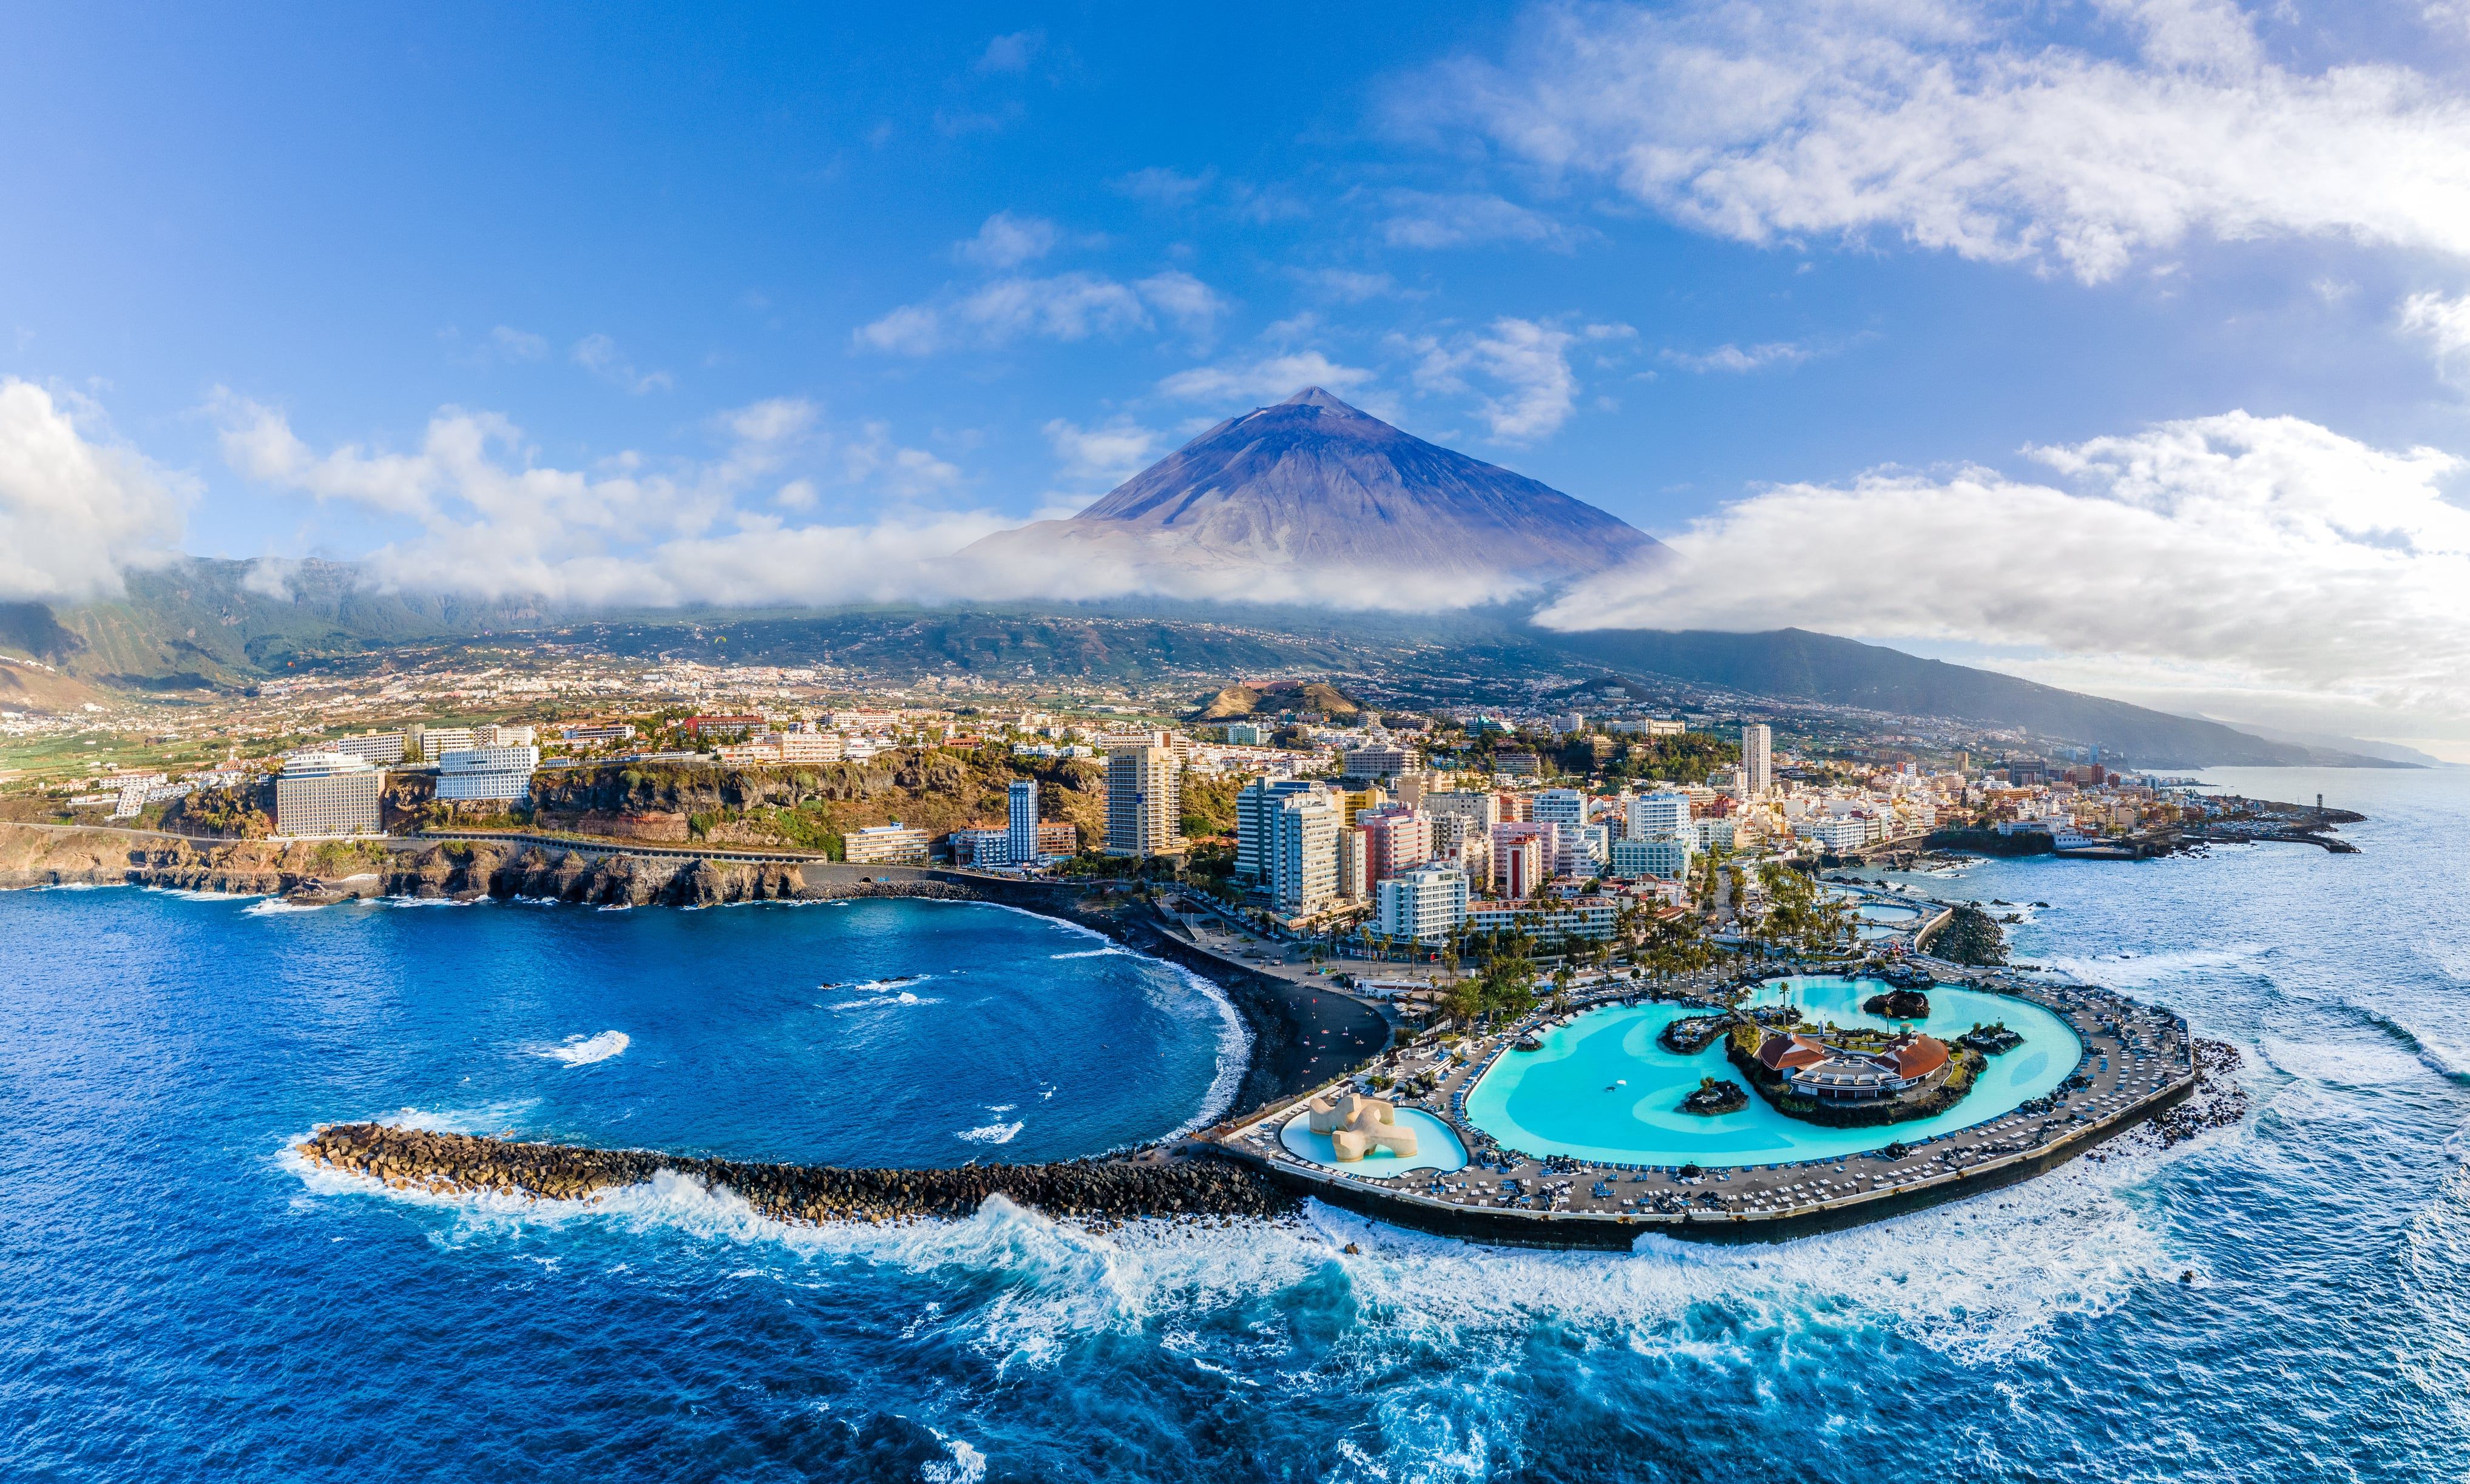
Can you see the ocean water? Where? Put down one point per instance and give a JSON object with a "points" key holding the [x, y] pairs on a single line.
{"points": [[179, 1302]]}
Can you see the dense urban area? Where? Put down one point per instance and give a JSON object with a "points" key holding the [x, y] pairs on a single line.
{"points": [[1330, 811]]}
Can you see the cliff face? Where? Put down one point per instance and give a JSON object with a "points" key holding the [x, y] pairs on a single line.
{"points": [[31, 857], [807, 806]]}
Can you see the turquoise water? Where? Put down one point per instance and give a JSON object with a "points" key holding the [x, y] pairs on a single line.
{"points": [[1604, 1088], [1436, 1148], [1887, 912]]}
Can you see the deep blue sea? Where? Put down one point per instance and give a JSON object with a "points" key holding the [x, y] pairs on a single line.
{"points": [[179, 1300]]}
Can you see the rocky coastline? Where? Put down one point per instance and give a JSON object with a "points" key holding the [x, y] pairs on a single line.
{"points": [[1093, 1191]]}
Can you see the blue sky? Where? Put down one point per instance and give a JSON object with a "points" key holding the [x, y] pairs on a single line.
{"points": [[623, 305]]}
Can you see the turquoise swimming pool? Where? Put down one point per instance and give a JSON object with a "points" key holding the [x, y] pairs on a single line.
{"points": [[1436, 1148], [1604, 1089]]}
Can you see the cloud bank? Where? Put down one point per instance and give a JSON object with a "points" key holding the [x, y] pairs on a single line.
{"points": [[491, 522], [1969, 128], [76, 511], [2235, 555]]}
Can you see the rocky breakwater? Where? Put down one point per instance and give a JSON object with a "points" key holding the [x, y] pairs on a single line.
{"points": [[1095, 1191]]}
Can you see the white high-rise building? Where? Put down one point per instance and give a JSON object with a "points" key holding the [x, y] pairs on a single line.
{"points": [[1757, 761], [1424, 905], [1563, 806], [1256, 820], [1303, 854], [504, 773], [1659, 815], [1020, 823]]}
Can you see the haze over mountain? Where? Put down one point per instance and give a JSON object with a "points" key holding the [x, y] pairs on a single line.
{"points": [[1316, 500]]}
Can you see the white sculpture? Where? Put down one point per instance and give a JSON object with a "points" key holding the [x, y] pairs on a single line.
{"points": [[1358, 1125]]}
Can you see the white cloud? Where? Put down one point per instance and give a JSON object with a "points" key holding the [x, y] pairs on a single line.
{"points": [[1110, 453], [1164, 186], [1529, 364], [2265, 556], [2445, 324], [270, 577], [1006, 240], [1737, 358], [1063, 307], [1962, 129], [1013, 53], [75, 512], [512, 344], [1190, 305], [487, 520], [1350, 286], [598, 354], [911, 330], [1423, 218], [1267, 379]]}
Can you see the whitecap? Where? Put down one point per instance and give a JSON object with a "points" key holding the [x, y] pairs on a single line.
{"points": [[966, 1464], [991, 1133], [581, 1051], [272, 905], [881, 1000], [1110, 951]]}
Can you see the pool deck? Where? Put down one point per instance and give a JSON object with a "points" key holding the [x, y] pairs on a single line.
{"points": [[2138, 1060]]}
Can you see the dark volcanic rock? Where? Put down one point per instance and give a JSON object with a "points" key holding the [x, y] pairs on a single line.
{"points": [[1105, 1190], [1899, 1004]]}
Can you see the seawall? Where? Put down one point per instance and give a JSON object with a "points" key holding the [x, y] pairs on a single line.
{"points": [[1096, 1189]]}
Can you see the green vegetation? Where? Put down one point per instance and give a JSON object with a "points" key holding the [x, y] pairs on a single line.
{"points": [[1503, 984], [1802, 918], [1209, 807]]}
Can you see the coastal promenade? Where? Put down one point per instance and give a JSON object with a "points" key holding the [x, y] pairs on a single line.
{"points": [[2138, 1060]]}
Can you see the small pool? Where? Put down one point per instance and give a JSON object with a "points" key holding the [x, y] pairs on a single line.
{"points": [[1604, 1089], [1887, 912], [1436, 1148]]}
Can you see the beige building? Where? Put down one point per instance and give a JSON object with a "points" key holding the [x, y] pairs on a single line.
{"points": [[1144, 801], [328, 794], [884, 844]]}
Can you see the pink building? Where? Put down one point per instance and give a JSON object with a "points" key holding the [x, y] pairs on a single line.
{"points": [[1396, 840], [1547, 840]]}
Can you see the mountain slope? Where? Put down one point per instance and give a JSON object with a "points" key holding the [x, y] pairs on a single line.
{"points": [[1794, 664], [1312, 498]]}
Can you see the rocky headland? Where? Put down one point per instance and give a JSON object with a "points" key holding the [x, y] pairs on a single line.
{"points": [[1101, 1190]]}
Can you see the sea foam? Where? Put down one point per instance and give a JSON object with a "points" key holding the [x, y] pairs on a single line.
{"points": [[581, 1051]]}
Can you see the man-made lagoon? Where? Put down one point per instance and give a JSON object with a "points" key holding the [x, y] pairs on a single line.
{"points": [[1603, 1088]]}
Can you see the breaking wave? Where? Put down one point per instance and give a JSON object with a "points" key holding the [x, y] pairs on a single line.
{"points": [[581, 1051]]}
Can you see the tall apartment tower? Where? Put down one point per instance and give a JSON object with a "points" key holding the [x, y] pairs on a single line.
{"points": [[1303, 854], [1020, 823], [1757, 761], [1143, 802], [1256, 819]]}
